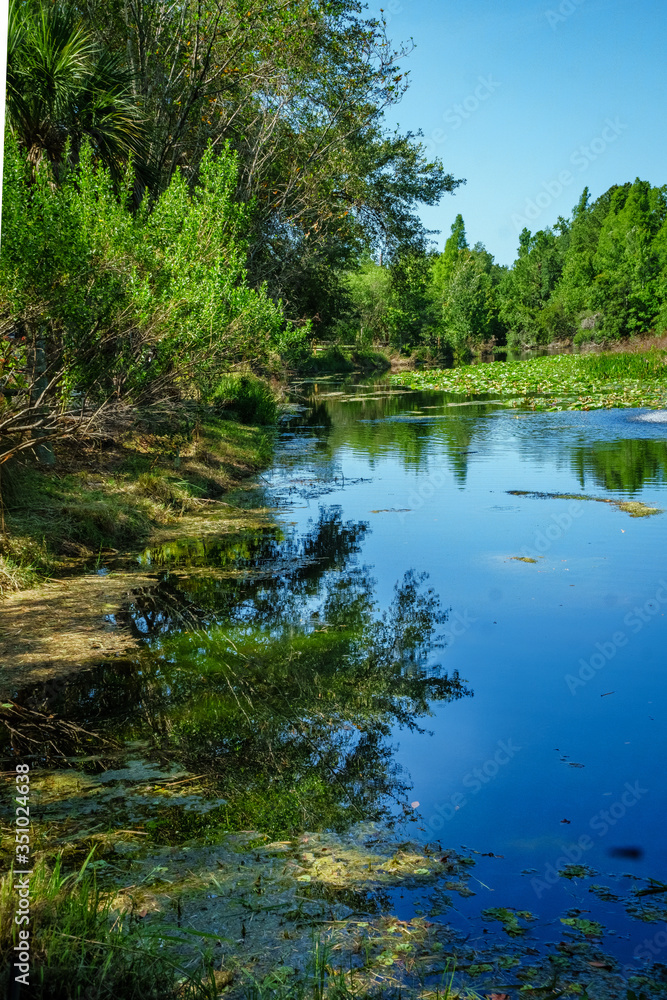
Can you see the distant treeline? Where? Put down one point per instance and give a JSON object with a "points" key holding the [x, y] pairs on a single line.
{"points": [[600, 275]]}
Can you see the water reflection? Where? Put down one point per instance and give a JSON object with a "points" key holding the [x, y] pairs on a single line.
{"points": [[624, 453], [272, 675], [624, 465]]}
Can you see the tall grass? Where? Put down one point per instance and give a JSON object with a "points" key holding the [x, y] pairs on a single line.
{"points": [[622, 365], [80, 948]]}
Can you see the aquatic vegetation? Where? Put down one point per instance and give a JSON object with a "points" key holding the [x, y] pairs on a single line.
{"points": [[632, 507], [560, 382], [576, 871], [79, 944], [590, 928], [509, 918]]}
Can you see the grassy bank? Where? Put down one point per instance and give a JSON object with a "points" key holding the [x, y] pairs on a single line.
{"points": [[559, 382], [146, 470]]}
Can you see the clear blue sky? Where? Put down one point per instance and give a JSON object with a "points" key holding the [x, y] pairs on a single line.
{"points": [[551, 96]]}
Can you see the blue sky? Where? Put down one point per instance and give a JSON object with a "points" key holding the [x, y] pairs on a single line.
{"points": [[531, 101]]}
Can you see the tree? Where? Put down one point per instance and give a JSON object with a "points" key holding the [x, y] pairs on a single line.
{"points": [[64, 89], [470, 317], [443, 267], [299, 88], [528, 286], [627, 286]]}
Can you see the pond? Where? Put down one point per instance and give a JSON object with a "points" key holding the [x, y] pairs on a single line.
{"points": [[456, 623]]}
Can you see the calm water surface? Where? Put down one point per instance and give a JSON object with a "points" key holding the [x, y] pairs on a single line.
{"points": [[443, 623], [559, 755]]}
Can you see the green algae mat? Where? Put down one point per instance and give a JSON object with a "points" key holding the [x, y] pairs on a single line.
{"points": [[560, 382]]}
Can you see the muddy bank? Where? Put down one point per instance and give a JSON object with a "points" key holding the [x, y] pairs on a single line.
{"points": [[75, 622], [143, 473]]}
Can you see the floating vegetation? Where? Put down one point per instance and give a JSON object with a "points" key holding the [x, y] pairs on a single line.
{"points": [[560, 382], [589, 928], [632, 507], [509, 918], [576, 871]]}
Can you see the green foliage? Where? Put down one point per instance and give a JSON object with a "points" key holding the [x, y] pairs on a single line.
{"points": [[109, 107], [527, 287], [63, 88], [138, 306], [410, 309], [300, 91], [600, 276], [572, 382], [370, 299], [443, 268], [470, 311], [251, 399], [80, 947]]}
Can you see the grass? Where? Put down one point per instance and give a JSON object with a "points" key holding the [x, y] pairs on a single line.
{"points": [[80, 948], [559, 382], [84, 945], [146, 473]]}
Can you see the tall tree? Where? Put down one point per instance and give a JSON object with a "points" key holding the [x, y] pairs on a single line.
{"points": [[299, 88]]}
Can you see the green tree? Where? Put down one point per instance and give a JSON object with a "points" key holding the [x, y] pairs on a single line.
{"points": [[470, 316], [626, 291], [63, 89], [300, 91], [444, 265], [142, 305], [527, 287], [366, 319]]}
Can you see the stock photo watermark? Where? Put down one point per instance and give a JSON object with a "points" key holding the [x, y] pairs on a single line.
{"points": [[458, 113], [560, 524], [473, 782], [424, 492], [606, 650], [601, 823], [566, 9], [22, 873], [457, 625], [581, 158], [650, 948], [392, 9]]}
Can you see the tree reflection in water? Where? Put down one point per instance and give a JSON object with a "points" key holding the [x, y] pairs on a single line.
{"points": [[281, 686]]}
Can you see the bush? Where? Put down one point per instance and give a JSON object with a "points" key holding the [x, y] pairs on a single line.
{"points": [[142, 306], [251, 399]]}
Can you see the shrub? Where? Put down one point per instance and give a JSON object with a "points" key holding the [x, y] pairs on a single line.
{"points": [[251, 399]]}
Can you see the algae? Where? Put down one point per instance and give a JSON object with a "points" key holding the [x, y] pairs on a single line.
{"points": [[632, 507]]}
